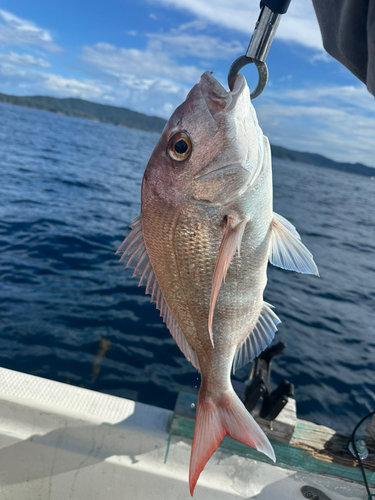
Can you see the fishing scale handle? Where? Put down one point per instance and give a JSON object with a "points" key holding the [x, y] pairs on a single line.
{"points": [[265, 28], [260, 43]]}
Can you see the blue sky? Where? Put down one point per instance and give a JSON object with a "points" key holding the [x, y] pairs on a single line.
{"points": [[147, 54]]}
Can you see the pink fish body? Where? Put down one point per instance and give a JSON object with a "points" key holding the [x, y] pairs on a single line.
{"points": [[201, 247]]}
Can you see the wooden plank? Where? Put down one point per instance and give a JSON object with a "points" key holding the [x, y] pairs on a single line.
{"points": [[313, 448]]}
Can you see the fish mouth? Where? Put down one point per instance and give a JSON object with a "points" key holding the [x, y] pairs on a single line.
{"points": [[217, 98], [220, 100]]}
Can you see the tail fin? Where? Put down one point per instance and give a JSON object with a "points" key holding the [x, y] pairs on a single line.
{"points": [[216, 419]]}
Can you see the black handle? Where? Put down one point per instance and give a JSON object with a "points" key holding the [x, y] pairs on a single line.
{"points": [[277, 6]]}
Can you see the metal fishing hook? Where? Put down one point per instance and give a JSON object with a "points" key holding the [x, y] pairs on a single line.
{"points": [[262, 73], [260, 43]]}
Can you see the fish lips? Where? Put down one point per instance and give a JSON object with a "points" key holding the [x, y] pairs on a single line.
{"points": [[217, 98]]}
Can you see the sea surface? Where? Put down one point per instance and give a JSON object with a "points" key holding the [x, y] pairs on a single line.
{"points": [[69, 188]]}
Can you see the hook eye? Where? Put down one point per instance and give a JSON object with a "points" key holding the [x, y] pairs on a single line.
{"points": [[262, 73]]}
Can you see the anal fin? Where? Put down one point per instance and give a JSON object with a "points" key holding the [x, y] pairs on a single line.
{"points": [[229, 244], [259, 338]]}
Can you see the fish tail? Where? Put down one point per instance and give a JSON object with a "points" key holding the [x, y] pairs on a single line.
{"points": [[215, 419]]}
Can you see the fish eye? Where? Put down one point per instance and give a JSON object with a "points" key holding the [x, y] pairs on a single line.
{"points": [[179, 146]]}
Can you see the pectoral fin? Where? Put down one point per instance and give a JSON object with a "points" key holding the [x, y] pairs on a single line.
{"points": [[230, 243], [287, 250]]}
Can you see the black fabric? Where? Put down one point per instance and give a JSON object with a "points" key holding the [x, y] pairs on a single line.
{"points": [[348, 31]]}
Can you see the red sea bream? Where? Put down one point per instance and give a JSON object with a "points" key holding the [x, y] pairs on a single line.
{"points": [[202, 244]]}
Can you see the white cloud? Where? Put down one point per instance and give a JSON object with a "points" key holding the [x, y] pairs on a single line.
{"points": [[329, 122], [17, 31], [154, 80], [70, 87], [321, 56], [344, 95], [23, 60], [196, 25], [20, 81], [151, 80], [122, 62], [19, 24], [299, 25], [201, 46], [286, 78], [153, 96]]}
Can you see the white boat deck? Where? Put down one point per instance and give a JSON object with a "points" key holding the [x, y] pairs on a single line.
{"points": [[59, 442]]}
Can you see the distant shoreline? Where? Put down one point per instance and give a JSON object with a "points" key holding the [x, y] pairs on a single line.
{"points": [[124, 117]]}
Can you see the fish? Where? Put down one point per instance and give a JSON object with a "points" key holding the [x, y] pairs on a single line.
{"points": [[201, 247]]}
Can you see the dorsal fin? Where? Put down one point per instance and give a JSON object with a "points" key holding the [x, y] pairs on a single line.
{"points": [[229, 244], [135, 255], [259, 338], [287, 250]]}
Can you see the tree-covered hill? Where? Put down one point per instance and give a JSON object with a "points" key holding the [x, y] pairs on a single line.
{"points": [[90, 110]]}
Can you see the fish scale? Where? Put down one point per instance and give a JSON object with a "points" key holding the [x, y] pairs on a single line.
{"points": [[236, 289]]}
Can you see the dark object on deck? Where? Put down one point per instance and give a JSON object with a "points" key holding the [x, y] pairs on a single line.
{"points": [[313, 493], [259, 385]]}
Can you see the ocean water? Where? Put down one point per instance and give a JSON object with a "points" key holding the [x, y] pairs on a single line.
{"points": [[70, 312]]}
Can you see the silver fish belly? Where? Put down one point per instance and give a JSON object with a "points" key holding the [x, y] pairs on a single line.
{"points": [[202, 245]]}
